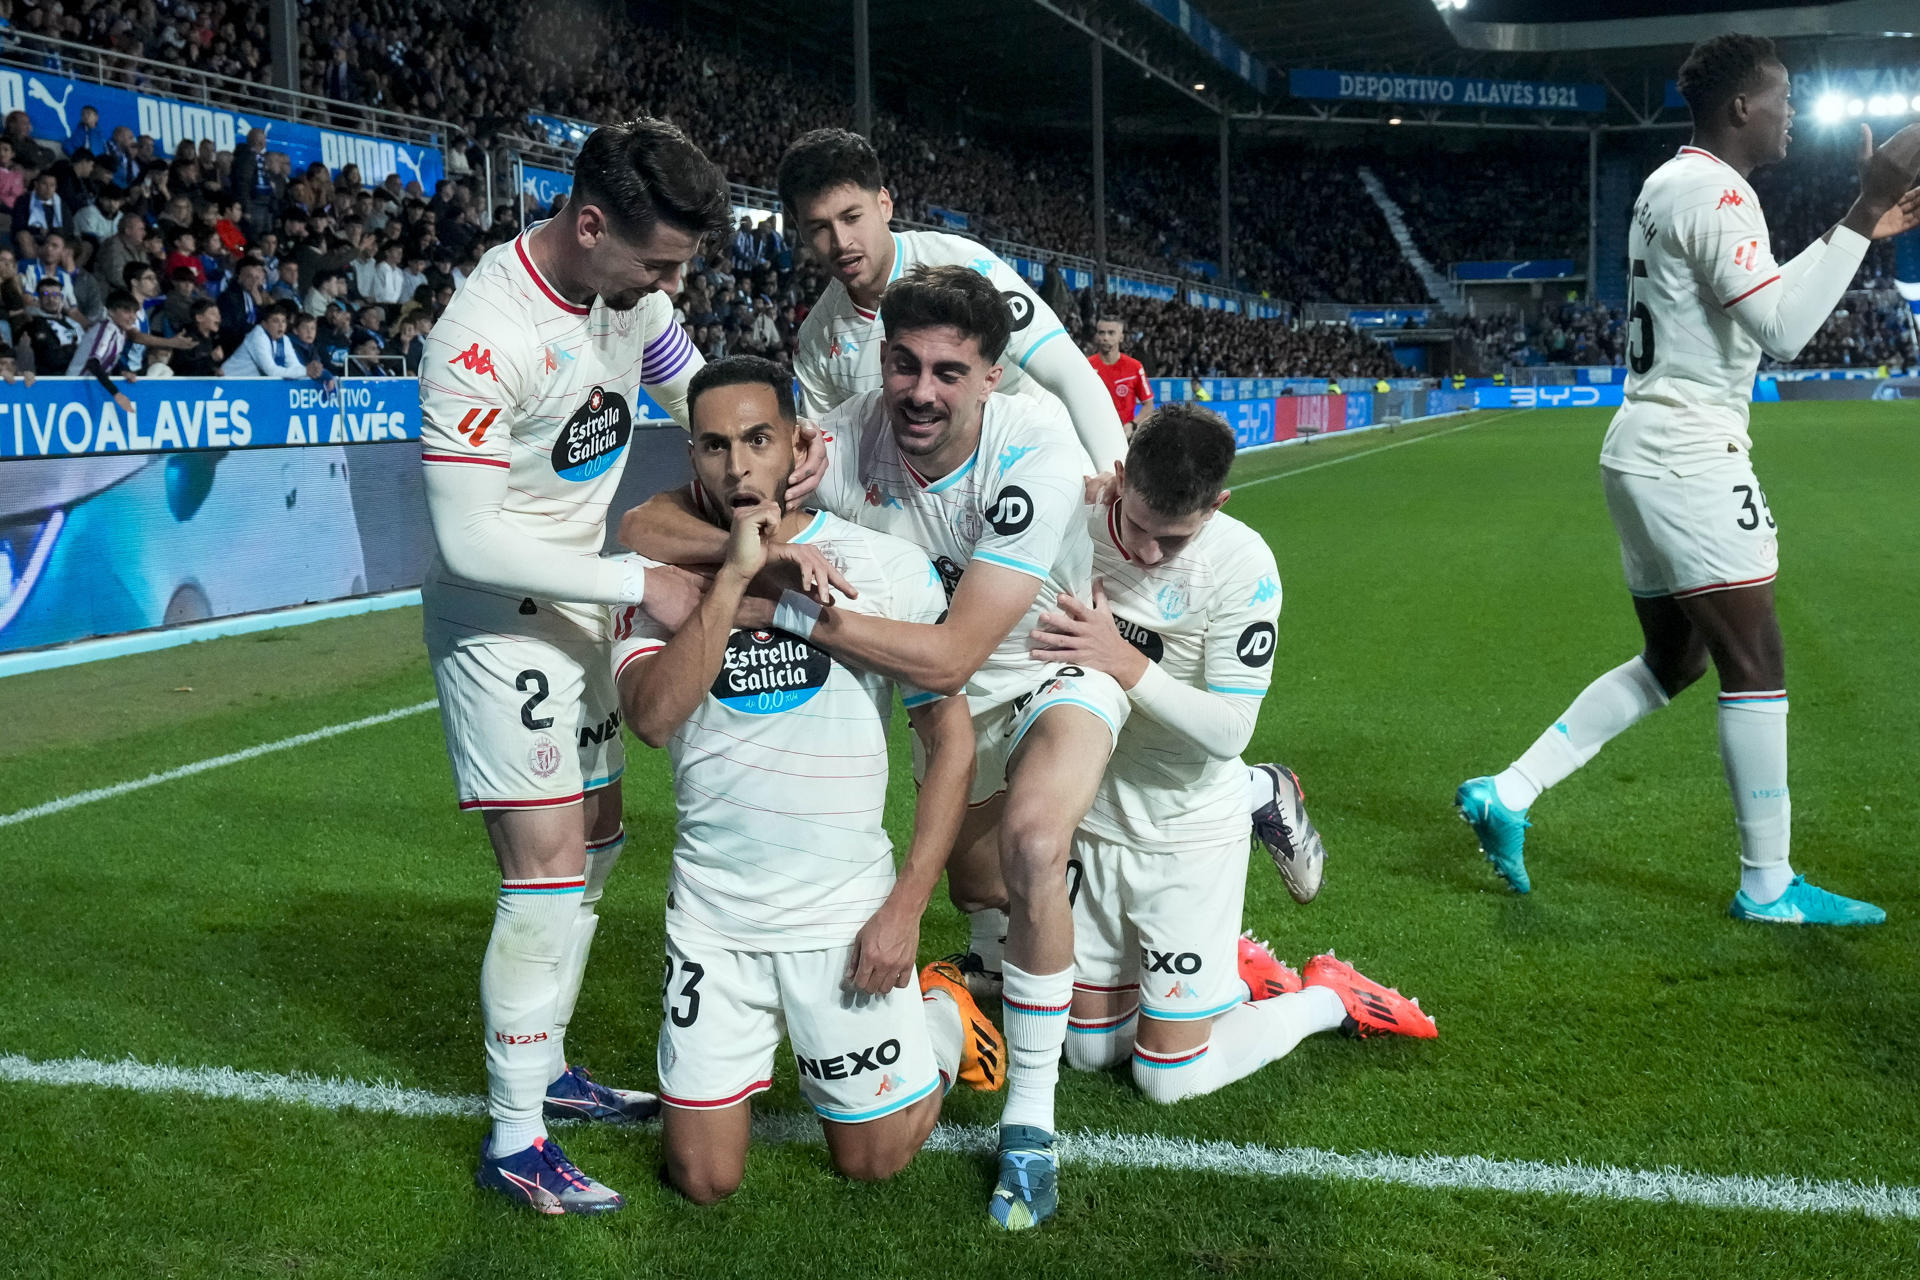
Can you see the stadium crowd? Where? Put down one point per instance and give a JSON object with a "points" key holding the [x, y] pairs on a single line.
{"points": [[210, 262], [362, 250]]}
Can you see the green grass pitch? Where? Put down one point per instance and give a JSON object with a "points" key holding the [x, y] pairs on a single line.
{"points": [[1449, 588]]}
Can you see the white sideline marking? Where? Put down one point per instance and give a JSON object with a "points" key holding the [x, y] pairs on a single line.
{"points": [[1099, 1150], [1368, 453], [201, 766]]}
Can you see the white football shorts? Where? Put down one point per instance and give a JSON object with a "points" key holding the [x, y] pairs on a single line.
{"points": [[723, 1014], [1690, 535], [532, 722], [998, 730], [1168, 924]]}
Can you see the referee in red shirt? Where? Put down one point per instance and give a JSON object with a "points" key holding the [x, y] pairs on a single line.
{"points": [[1124, 376]]}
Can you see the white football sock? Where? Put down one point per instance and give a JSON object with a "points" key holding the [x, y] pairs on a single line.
{"points": [[1035, 1011], [1606, 708], [948, 1034], [1753, 747], [987, 937], [1260, 792], [1100, 1044], [519, 990], [1245, 1038], [601, 855]]}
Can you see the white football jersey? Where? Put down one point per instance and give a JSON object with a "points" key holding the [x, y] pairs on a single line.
{"points": [[780, 774], [1017, 503], [838, 354], [516, 377], [1698, 248], [1207, 617]]}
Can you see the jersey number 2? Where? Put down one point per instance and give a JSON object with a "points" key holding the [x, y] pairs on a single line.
{"points": [[1640, 340], [536, 681]]}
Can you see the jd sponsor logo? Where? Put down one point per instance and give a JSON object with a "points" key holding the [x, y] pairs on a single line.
{"points": [[1011, 512], [1255, 645]]}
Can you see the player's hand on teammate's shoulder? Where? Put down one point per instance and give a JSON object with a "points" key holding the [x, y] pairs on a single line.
{"points": [[803, 567], [753, 529], [1101, 488], [811, 468], [884, 949], [1084, 634]]}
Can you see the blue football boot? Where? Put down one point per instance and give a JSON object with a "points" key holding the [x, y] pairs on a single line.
{"points": [[543, 1179], [1029, 1187], [1803, 903], [576, 1095], [1501, 831]]}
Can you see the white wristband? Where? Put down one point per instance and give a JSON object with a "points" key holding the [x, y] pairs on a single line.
{"points": [[796, 614], [633, 580]]}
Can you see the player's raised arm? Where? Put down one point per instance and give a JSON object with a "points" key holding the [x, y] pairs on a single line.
{"points": [[1040, 346], [661, 684], [987, 604], [1782, 308], [467, 410], [883, 953], [671, 529]]}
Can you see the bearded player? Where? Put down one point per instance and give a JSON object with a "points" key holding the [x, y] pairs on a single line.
{"points": [[990, 488], [527, 395], [1159, 869], [783, 910], [1697, 540]]}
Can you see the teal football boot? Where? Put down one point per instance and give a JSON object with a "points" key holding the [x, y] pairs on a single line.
{"points": [[1501, 831], [1803, 903], [1029, 1187]]}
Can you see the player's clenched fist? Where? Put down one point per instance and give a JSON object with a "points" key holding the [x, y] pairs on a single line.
{"points": [[753, 527]]}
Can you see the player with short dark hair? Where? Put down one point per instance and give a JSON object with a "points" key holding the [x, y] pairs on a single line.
{"points": [[1182, 616], [833, 189], [1697, 540], [783, 910], [990, 487], [528, 384], [1123, 375]]}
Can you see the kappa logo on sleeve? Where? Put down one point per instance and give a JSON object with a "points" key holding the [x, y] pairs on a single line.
{"points": [[1730, 197], [476, 361]]}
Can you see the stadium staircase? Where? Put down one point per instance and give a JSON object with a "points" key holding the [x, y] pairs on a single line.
{"points": [[1618, 183], [1447, 295]]}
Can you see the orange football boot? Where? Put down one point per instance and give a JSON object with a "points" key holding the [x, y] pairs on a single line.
{"points": [[983, 1050], [1371, 1008]]}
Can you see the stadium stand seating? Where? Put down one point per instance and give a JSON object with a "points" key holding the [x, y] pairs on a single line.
{"points": [[1304, 228]]}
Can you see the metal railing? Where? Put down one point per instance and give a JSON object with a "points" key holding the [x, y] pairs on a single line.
{"points": [[32, 53]]}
